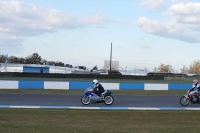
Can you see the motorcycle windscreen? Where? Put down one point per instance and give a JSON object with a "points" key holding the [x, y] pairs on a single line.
{"points": [[94, 98]]}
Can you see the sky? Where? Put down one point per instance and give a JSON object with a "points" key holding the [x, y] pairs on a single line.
{"points": [[143, 33]]}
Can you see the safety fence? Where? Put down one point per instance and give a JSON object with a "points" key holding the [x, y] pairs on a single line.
{"points": [[40, 85]]}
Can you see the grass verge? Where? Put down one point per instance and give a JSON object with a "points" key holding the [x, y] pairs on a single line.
{"points": [[98, 121]]}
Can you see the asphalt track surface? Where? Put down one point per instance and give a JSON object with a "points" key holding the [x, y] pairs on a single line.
{"points": [[75, 100]]}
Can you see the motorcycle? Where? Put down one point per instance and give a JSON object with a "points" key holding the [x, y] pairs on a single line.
{"points": [[91, 97], [190, 97]]}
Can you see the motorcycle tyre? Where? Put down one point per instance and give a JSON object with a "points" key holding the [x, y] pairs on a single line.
{"points": [[84, 103], [111, 102], [188, 101]]}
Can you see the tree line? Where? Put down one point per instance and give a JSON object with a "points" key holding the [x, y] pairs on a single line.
{"points": [[35, 58], [194, 68]]}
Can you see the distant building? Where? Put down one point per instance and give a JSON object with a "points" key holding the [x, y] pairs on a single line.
{"points": [[36, 69], [9, 67]]}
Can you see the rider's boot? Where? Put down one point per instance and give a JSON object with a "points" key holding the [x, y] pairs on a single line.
{"points": [[102, 96]]}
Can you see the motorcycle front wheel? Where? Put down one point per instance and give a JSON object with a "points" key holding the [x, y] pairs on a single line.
{"points": [[184, 101], [109, 100], [85, 101]]}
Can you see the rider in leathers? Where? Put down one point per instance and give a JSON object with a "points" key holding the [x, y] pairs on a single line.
{"points": [[196, 87], [98, 87]]}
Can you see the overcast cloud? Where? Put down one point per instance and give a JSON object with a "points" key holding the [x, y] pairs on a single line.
{"points": [[18, 19], [152, 4], [184, 24]]}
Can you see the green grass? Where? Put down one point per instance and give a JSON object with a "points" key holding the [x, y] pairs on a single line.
{"points": [[97, 121]]}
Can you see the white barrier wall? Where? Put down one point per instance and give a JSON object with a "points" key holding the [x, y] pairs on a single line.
{"points": [[4, 84], [56, 85], [111, 86], [155, 86]]}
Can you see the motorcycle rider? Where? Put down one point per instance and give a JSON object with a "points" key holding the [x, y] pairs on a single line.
{"points": [[196, 87], [98, 87]]}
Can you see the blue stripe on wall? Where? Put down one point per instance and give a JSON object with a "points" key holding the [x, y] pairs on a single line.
{"points": [[85, 85], [179, 86], [38, 85], [80, 85], [126, 86]]}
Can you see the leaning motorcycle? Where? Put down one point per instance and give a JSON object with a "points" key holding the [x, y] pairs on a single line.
{"points": [[91, 97], [190, 97]]}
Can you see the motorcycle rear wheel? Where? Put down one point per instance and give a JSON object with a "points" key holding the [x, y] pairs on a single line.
{"points": [[184, 101], [109, 100], [85, 101]]}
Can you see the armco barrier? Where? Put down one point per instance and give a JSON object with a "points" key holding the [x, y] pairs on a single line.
{"points": [[5, 84]]}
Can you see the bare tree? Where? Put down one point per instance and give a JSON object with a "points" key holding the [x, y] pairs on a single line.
{"points": [[155, 69], [165, 68], [184, 70], [145, 69], [195, 67]]}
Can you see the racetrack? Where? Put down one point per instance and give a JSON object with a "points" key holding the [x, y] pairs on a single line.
{"points": [[75, 100]]}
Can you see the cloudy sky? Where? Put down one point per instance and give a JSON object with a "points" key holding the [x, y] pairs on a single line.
{"points": [[143, 33]]}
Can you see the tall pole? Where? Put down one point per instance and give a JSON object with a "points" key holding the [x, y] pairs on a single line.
{"points": [[111, 58], [6, 63], [125, 70]]}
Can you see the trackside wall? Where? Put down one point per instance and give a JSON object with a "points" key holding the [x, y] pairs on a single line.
{"points": [[40, 85]]}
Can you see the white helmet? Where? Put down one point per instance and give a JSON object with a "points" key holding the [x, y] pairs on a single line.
{"points": [[195, 81], [95, 81]]}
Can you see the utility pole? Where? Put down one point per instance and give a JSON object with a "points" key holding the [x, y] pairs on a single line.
{"points": [[6, 63], [125, 70], [111, 58]]}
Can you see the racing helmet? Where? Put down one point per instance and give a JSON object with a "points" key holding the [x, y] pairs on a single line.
{"points": [[195, 82], [95, 81]]}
